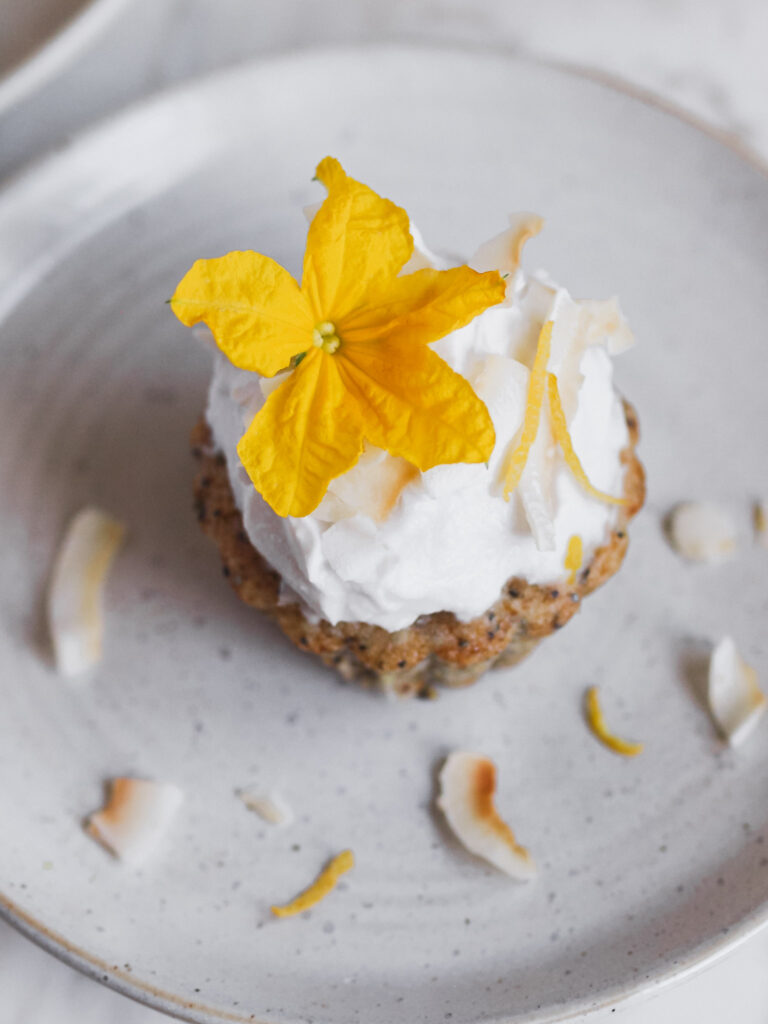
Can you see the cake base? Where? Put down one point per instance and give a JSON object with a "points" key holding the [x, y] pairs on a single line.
{"points": [[437, 649]]}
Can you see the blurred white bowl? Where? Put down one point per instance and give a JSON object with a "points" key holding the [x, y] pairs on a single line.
{"points": [[38, 40]]}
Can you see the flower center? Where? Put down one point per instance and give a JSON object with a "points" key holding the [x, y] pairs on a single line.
{"points": [[326, 338]]}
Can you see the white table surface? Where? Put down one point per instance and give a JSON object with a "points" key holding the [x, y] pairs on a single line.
{"points": [[706, 56]]}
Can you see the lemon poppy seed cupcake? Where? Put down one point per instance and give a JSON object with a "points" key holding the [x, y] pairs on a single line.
{"points": [[418, 470]]}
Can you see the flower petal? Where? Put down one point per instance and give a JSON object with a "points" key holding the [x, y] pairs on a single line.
{"points": [[257, 313], [412, 404], [424, 306], [355, 241], [305, 434]]}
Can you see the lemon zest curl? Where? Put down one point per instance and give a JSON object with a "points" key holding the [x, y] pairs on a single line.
{"points": [[320, 888], [597, 724]]}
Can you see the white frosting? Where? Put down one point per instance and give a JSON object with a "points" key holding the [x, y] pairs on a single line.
{"points": [[451, 540]]}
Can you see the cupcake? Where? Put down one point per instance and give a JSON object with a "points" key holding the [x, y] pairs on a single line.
{"points": [[418, 470]]}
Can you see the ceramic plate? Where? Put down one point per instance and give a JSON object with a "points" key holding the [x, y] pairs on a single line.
{"points": [[647, 866]]}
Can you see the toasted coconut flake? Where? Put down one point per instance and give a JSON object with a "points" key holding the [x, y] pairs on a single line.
{"points": [[574, 556], [578, 326], [467, 787], [502, 383], [606, 324], [505, 250], [600, 729], [563, 438], [536, 488], [702, 531], [75, 594], [323, 884], [536, 392], [135, 818], [374, 484], [735, 700], [535, 491], [761, 522], [269, 806]]}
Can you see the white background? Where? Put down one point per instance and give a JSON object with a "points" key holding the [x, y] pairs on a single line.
{"points": [[709, 57]]}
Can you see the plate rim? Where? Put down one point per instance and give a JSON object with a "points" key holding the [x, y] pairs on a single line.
{"points": [[706, 953], [54, 54]]}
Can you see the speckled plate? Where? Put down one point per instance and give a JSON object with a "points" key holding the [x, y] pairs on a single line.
{"points": [[648, 866]]}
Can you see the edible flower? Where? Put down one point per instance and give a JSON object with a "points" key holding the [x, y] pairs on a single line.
{"points": [[353, 341]]}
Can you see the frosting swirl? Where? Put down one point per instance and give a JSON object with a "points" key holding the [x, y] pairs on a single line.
{"points": [[389, 544]]}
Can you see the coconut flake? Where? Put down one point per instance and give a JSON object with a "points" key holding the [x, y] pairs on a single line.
{"points": [[372, 486], [135, 818], [504, 251], [75, 593], [467, 787], [536, 490], [270, 807], [577, 326], [734, 697], [422, 257], [702, 531], [266, 385], [204, 334], [607, 325], [502, 384]]}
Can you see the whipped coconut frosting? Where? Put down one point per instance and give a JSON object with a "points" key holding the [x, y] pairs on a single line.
{"points": [[388, 543]]}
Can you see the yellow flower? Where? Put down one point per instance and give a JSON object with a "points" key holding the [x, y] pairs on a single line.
{"points": [[355, 337]]}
